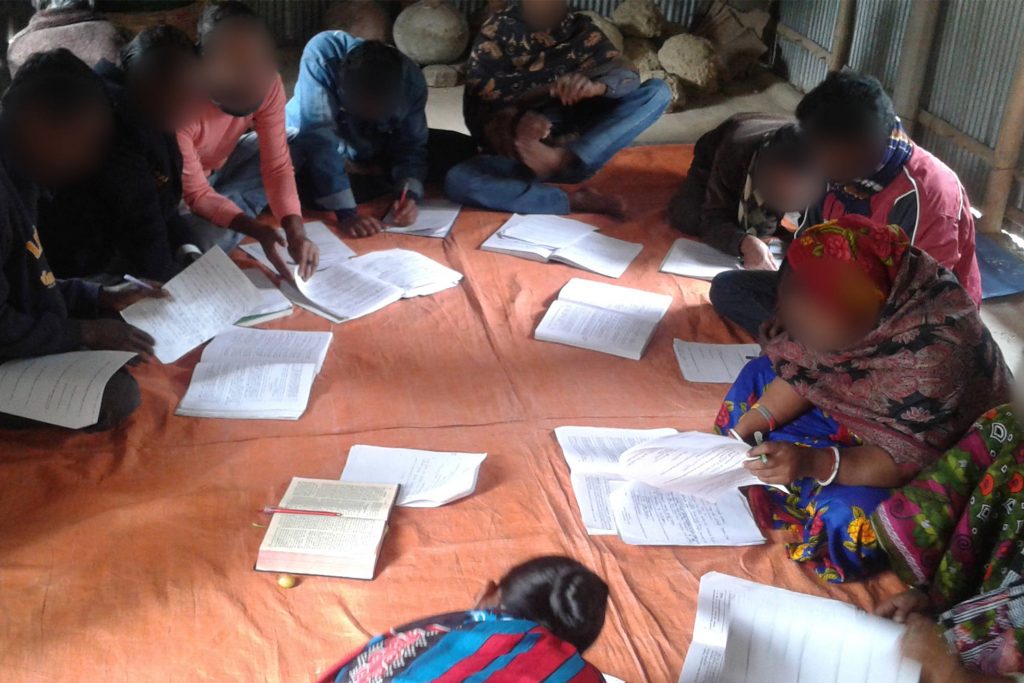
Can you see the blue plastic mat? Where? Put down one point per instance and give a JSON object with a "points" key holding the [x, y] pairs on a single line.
{"points": [[1002, 271]]}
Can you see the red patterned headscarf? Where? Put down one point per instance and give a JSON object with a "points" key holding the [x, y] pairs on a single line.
{"points": [[851, 264]]}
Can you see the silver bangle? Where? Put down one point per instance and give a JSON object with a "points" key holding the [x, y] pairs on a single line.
{"points": [[835, 468]]}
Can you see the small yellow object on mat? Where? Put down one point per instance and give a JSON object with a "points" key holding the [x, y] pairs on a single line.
{"points": [[286, 581]]}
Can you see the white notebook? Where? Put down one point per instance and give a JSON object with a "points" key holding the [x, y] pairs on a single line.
{"points": [[426, 479], [697, 260], [249, 374], [414, 273], [600, 317], [343, 293], [205, 299], [273, 304], [344, 544], [713, 363], [436, 218], [332, 249], [553, 238]]}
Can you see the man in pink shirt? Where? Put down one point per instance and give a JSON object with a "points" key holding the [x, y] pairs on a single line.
{"points": [[236, 156]]}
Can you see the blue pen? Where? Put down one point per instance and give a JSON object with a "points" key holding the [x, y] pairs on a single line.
{"points": [[136, 281]]}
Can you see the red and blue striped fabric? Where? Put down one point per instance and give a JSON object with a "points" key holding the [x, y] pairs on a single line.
{"points": [[475, 647]]}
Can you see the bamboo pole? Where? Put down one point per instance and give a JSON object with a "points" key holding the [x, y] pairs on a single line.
{"points": [[914, 57], [1006, 155], [842, 35]]}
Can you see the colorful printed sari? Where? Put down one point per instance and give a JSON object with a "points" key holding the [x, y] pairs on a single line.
{"points": [[831, 522], [479, 645], [957, 531]]}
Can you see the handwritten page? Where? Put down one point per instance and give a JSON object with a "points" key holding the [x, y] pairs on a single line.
{"points": [[237, 391], [745, 632], [648, 516], [593, 495], [268, 346], [205, 299], [425, 478], [649, 306], [415, 273], [272, 304], [713, 363], [347, 293], [64, 389], [332, 249], [704, 465], [553, 232], [595, 329], [600, 254], [697, 260], [435, 219], [596, 450]]}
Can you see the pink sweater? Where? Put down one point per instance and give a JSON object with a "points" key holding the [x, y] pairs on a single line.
{"points": [[207, 142]]}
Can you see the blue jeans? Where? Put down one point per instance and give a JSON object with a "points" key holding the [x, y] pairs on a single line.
{"points": [[746, 297], [503, 184], [241, 181]]}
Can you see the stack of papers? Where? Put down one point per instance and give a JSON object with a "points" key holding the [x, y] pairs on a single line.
{"points": [[746, 632], [713, 363], [256, 374], [600, 317], [332, 249], [64, 389], [553, 238], [612, 502], [436, 218], [205, 299], [426, 479], [370, 282], [273, 304]]}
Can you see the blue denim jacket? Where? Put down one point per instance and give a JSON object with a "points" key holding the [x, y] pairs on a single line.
{"points": [[329, 135]]}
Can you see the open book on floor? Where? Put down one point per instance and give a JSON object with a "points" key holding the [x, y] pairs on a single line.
{"points": [[614, 500], [701, 261], [327, 528], [273, 304], [332, 249], [255, 374], [568, 241], [600, 317]]}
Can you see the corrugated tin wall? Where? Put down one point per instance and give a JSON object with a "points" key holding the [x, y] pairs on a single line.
{"points": [[974, 55]]}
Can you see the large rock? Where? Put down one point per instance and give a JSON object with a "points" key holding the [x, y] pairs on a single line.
{"points": [[608, 28], [675, 86], [443, 76], [431, 32], [693, 59], [364, 19], [643, 53], [640, 18]]}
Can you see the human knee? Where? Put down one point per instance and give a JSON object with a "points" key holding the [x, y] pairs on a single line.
{"points": [[463, 183], [656, 93], [726, 288], [121, 398]]}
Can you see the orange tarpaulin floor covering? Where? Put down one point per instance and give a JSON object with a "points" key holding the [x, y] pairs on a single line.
{"points": [[129, 556]]}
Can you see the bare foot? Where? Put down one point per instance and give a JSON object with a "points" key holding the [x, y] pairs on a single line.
{"points": [[532, 127], [545, 161], [587, 200]]}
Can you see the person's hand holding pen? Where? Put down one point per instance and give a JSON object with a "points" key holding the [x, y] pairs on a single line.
{"points": [[404, 210]]}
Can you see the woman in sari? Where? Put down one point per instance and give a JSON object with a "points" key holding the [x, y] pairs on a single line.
{"points": [[531, 626], [875, 365], [954, 534]]}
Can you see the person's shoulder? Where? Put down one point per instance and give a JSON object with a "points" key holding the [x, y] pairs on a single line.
{"points": [[330, 45], [937, 184]]}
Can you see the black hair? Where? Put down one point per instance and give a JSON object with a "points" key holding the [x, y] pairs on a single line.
{"points": [[786, 147], [41, 5], [372, 69], [157, 50], [229, 10], [847, 106], [57, 83], [560, 594]]}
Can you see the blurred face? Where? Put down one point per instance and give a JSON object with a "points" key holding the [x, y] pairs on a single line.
{"points": [[240, 65], [544, 15], [814, 324], [175, 98], [57, 151], [845, 160], [786, 190]]}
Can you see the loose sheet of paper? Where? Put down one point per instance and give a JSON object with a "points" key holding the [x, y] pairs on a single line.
{"points": [[347, 293], [435, 219], [690, 258], [648, 516], [425, 478], [332, 249], [746, 632], [205, 299], [268, 346], [241, 391], [694, 463], [599, 253], [636, 302], [595, 329], [370, 501], [413, 272], [713, 363], [553, 232], [593, 495], [596, 450], [64, 389]]}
